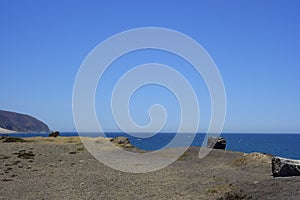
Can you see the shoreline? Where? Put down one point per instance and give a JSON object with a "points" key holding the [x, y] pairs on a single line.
{"points": [[5, 131], [241, 143]]}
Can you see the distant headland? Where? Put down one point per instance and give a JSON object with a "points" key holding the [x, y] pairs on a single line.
{"points": [[11, 122]]}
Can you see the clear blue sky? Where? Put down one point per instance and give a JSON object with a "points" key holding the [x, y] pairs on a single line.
{"points": [[255, 44]]}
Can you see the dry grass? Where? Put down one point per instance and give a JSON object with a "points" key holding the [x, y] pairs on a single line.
{"points": [[252, 158]]}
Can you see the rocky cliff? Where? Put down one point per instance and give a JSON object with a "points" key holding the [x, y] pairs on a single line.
{"points": [[21, 123]]}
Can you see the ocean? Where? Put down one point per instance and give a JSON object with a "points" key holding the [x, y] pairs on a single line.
{"points": [[284, 144]]}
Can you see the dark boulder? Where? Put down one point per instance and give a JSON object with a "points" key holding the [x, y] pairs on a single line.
{"points": [[54, 134], [216, 143], [282, 167], [121, 142]]}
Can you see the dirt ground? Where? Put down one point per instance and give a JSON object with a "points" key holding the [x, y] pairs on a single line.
{"points": [[61, 168]]}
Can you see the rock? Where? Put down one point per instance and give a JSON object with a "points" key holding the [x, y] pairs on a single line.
{"points": [[122, 142], [54, 134], [216, 143], [283, 167]]}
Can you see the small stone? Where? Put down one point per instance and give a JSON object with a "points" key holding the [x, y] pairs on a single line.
{"points": [[6, 179]]}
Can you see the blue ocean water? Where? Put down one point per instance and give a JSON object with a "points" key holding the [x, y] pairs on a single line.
{"points": [[284, 145]]}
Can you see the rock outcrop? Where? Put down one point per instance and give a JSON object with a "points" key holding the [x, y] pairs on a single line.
{"points": [[282, 167], [216, 143], [54, 134], [122, 142], [21, 123]]}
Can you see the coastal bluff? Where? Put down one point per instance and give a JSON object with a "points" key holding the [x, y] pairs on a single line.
{"points": [[63, 168], [17, 122]]}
